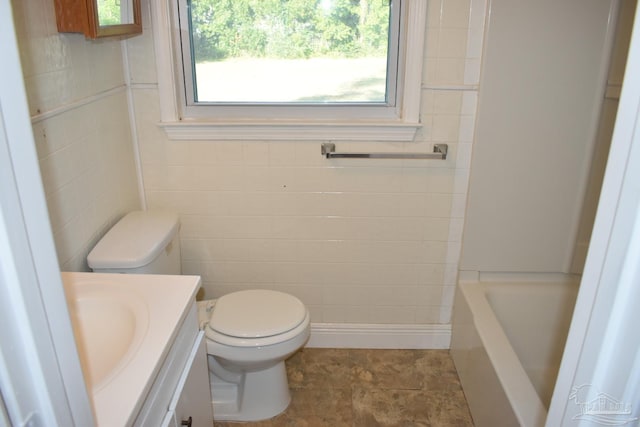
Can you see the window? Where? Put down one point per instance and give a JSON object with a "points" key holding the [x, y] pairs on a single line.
{"points": [[310, 69], [299, 52]]}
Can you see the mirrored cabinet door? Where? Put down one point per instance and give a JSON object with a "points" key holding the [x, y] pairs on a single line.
{"points": [[99, 18]]}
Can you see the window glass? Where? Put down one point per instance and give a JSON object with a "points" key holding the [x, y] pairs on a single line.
{"points": [[330, 52]]}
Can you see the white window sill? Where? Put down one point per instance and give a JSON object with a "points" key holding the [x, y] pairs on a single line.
{"points": [[299, 131]]}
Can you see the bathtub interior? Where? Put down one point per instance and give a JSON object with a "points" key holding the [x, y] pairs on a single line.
{"points": [[536, 319]]}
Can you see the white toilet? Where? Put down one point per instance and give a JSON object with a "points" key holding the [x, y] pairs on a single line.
{"points": [[249, 333]]}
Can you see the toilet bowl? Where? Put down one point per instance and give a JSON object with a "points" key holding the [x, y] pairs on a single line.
{"points": [[249, 333]]}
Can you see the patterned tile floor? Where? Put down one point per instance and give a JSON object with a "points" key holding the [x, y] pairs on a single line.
{"points": [[369, 388]]}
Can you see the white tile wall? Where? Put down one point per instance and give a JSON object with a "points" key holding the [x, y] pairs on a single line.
{"points": [[81, 127], [374, 241], [364, 242], [446, 44]]}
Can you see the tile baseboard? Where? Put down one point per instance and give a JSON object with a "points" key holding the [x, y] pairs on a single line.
{"points": [[392, 336]]}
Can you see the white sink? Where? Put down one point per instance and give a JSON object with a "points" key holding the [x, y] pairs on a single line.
{"points": [[124, 325], [109, 326]]}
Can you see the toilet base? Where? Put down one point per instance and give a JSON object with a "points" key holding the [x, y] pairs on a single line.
{"points": [[258, 395]]}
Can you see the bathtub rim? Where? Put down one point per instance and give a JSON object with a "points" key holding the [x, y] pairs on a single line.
{"points": [[523, 398]]}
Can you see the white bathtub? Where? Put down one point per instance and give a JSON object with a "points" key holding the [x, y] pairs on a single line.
{"points": [[507, 343]]}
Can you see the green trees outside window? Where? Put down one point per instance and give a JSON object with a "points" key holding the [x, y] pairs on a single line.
{"points": [[288, 51], [289, 29]]}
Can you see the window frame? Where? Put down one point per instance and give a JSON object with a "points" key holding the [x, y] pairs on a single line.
{"points": [[271, 110], [248, 122]]}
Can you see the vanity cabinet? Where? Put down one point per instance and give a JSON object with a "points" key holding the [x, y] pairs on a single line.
{"points": [[181, 388], [191, 402]]}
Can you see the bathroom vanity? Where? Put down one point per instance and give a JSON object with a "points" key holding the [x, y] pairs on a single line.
{"points": [[142, 353], [180, 395]]}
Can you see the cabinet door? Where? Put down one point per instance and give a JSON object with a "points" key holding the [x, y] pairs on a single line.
{"points": [[193, 395]]}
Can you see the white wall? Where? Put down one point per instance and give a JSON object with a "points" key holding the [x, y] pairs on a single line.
{"points": [[359, 241], [544, 68], [605, 131], [78, 105]]}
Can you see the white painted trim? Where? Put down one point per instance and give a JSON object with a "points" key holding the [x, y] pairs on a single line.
{"points": [[165, 30], [133, 126], [289, 131], [413, 61], [366, 335], [77, 104], [40, 373]]}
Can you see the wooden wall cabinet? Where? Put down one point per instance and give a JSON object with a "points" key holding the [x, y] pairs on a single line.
{"points": [[99, 18]]}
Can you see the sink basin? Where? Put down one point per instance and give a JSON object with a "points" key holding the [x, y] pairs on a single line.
{"points": [[109, 326], [124, 326]]}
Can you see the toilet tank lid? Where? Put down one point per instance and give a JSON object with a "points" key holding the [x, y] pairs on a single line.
{"points": [[135, 241]]}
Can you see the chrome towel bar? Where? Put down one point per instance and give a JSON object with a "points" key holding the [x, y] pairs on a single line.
{"points": [[439, 153]]}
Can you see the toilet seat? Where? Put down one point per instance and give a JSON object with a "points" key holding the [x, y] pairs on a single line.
{"points": [[256, 318], [217, 337]]}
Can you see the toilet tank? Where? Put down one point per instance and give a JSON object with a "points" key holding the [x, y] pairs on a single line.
{"points": [[141, 242]]}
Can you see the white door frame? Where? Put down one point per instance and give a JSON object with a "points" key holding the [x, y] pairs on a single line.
{"points": [[40, 375]]}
